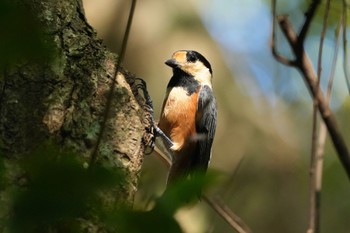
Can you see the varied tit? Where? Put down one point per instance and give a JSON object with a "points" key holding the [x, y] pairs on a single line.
{"points": [[189, 114]]}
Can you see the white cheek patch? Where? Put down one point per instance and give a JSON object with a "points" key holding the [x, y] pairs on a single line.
{"points": [[204, 78], [200, 72]]}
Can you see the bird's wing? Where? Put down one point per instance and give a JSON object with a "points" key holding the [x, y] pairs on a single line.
{"points": [[205, 126]]}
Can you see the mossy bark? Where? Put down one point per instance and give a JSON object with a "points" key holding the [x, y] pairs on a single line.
{"points": [[63, 100]]}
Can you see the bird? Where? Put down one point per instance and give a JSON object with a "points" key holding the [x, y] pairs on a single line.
{"points": [[189, 114]]}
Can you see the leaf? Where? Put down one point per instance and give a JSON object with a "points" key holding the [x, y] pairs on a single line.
{"points": [[21, 37], [161, 217], [59, 190]]}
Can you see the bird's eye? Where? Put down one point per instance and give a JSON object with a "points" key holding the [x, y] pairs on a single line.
{"points": [[191, 57]]}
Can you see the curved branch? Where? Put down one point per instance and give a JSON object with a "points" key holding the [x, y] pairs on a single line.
{"points": [[275, 53]]}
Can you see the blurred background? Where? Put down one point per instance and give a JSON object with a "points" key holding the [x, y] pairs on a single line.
{"points": [[263, 140]]}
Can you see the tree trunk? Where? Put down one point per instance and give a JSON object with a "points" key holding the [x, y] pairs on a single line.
{"points": [[64, 100]]}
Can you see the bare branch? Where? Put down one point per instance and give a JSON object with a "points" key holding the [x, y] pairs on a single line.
{"points": [[163, 157], [309, 16], [227, 186], [334, 62], [305, 66], [316, 162], [227, 214], [273, 42], [288, 32]]}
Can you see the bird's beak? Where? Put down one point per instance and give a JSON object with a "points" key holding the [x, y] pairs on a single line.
{"points": [[172, 63]]}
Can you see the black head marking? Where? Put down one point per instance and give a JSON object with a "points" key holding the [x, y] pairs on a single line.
{"points": [[184, 80], [193, 56]]}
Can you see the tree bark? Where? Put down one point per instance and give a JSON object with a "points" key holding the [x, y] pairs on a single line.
{"points": [[64, 100]]}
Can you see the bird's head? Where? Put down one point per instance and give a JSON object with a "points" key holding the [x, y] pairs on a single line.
{"points": [[192, 63]]}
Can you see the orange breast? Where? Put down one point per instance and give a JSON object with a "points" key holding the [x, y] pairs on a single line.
{"points": [[177, 119]]}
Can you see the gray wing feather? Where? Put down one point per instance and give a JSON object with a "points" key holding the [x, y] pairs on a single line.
{"points": [[206, 119]]}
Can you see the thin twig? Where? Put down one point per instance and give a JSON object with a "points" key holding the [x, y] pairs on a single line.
{"points": [[111, 91], [227, 214], [345, 47], [273, 42], [163, 157], [339, 28], [289, 33], [313, 197], [217, 205], [226, 188], [222, 210], [316, 163]]}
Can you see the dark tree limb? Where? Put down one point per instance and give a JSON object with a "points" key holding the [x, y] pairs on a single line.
{"points": [[309, 15]]}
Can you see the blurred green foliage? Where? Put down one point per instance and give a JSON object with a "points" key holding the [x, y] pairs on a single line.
{"points": [[161, 217], [56, 192], [22, 38]]}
